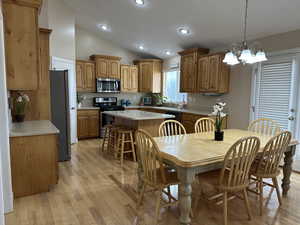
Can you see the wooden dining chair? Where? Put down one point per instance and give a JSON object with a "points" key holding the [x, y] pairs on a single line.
{"points": [[233, 177], [264, 126], [154, 176], [170, 128], [266, 165], [204, 125]]}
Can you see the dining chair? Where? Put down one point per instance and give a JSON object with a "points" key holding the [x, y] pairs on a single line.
{"points": [[264, 126], [155, 175], [170, 128], [266, 165], [204, 125], [233, 177]]}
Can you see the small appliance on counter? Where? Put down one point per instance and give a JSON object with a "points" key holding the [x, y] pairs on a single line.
{"points": [[147, 100], [107, 85]]}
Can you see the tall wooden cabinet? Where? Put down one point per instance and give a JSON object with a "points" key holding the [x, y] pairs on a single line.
{"points": [[85, 76], [21, 35], [129, 78], [107, 66], [213, 74], [188, 69], [150, 75]]}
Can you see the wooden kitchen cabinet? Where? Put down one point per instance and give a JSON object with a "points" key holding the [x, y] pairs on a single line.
{"points": [[129, 78], [85, 76], [88, 123], [213, 75], [21, 34], [188, 69], [107, 66], [150, 75]]}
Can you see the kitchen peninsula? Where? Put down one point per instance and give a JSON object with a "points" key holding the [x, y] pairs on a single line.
{"points": [[138, 119]]}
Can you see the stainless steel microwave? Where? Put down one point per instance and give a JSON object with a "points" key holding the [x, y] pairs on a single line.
{"points": [[108, 85]]}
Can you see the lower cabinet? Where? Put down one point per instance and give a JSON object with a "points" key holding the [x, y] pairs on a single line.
{"points": [[88, 123]]}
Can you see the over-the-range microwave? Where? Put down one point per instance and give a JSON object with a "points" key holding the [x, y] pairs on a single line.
{"points": [[108, 85]]}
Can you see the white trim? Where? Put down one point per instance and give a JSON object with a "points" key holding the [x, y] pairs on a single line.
{"points": [[286, 52]]}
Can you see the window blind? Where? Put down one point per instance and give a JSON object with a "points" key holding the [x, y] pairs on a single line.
{"points": [[273, 92]]}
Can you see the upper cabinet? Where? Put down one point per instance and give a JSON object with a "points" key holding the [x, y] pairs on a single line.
{"points": [[21, 34], [129, 78], [203, 73], [213, 74], [150, 75], [107, 66], [188, 69], [85, 76]]}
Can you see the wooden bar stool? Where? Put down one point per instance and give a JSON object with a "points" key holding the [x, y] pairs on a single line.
{"points": [[110, 138], [105, 141], [125, 135]]}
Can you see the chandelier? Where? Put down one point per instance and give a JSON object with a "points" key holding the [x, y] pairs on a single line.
{"points": [[241, 52]]}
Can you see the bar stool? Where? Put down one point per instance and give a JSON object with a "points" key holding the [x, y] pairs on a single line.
{"points": [[105, 141], [124, 135], [109, 143]]}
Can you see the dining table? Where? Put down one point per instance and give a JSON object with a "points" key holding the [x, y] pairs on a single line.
{"points": [[196, 153]]}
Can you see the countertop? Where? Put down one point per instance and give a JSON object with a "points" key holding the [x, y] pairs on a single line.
{"points": [[138, 115], [197, 112], [32, 128]]}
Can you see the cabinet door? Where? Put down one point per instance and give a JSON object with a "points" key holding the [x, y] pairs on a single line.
{"points": [[188, 73], [125, 78], [90, 79], [94, 125], [83, 126], [145, 77], [114, 69], [134, 79], [21, 46], [80, 76], [203, 74], [214, 63], [102, 70]]}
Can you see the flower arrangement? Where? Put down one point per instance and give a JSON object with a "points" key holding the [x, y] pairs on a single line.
{"points": [[20, 104], [160, 99], [220, 115], [80, 99]]}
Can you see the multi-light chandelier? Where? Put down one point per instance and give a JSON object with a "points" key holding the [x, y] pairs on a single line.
{"points": [[241, 53]]}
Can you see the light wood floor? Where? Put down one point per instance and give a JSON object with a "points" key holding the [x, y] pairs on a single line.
{"points": [[93, 189]]}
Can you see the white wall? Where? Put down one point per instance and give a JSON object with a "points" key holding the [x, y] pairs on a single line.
{"points": [[6, 194], [88, 43]]}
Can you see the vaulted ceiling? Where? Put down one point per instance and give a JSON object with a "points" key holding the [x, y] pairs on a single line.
{"points": [[213, 23]]}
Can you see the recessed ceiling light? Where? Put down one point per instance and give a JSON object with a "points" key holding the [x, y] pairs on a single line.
{"points": [[141, 47], [183, 31], [168, 52], [139, 2], [104, 27]]}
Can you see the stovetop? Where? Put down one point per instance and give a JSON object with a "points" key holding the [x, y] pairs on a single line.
{"points": [[111, 107]]}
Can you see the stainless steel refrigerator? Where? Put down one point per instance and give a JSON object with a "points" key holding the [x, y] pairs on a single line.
{"points": [[60, 113]]}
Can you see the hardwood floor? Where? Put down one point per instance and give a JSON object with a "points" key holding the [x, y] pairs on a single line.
{"points": [[94, 190]]}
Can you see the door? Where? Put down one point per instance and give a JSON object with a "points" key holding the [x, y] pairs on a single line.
{"points": [[83, 126], [114, 69], [203, 73], [134, 79], [188, 73], [102, 68], [213, 77], [125, 78], [65, 64], [94, 125], [90, 79], [80, 76]]}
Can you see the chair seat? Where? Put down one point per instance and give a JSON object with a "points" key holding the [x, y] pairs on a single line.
{"points": [[258, 171], [171, 177]]}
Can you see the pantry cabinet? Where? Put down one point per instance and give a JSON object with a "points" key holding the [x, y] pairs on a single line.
{"points": [[85, 76], [21, 34], [107, 66], [88, 123], [213, 74], [129, 78], [150, 75], [188, 69]]}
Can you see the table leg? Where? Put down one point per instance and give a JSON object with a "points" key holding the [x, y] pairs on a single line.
{"points": [[186, 177], [287, 169]]}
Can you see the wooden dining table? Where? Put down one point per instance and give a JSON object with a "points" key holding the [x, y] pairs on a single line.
{"points": [[192, 154]]}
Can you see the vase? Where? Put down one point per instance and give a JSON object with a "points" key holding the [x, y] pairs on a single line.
{"points": [[19, 118], [219, 135]]}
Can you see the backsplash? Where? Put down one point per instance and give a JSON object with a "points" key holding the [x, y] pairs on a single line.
{"points": [[202, 102], [134, 98]]}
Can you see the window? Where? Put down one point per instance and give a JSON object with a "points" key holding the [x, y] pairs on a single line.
{"points": [[171, 87]]}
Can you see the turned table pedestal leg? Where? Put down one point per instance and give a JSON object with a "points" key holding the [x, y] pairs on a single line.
{"points": [[287, 169]]}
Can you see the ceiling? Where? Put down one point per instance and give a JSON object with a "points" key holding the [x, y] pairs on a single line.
{"points": [[213, 23]]}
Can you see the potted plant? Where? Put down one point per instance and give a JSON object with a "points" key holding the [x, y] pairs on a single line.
{"points": [[160, 99], [220, 115], [80, 99], [20, 104]]}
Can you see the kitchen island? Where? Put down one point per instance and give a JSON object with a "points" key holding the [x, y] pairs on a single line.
{"points": [[138, 119]]}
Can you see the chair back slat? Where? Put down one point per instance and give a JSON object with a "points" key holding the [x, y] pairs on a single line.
{"points": [[149, 158], [237, 163], [264, 126], [170, 128], [204, 125], [272, 154]]}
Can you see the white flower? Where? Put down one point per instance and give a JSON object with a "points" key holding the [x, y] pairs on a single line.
{"points": [[222, 114], [26, 98], [222, 104], [20, 99]]}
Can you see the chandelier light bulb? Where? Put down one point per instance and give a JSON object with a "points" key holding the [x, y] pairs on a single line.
{"points": [[245, 55], [261, 56]]}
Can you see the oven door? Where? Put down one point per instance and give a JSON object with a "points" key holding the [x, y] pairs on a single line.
{"points": [[107, 85]]}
